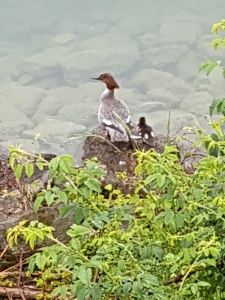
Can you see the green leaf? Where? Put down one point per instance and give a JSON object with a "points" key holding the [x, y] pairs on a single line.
{"points": [[203, 283], [63, 291], [94, 185], [37, 203], [217, 106], [77, 230], [40, 261], [85, 276], [169, 217], [161, 180], [53, 165], [18, 171], [95, 292], [65, 211], [75, 243], [29, 170], [137, 287], [209, 65], [62, 196], [71, 260], [65, 164], [179, 220], [78, 216], [40, 164], [83, 293], [151, 279], [126, 288], [158, 252]]}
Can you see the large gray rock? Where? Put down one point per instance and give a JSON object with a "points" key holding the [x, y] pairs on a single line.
{"points": [[149, 79], [188, 65], [25, 99], [163, 56], [197, 103], [166, 98], [9, 112], [54, 129], [180, 28], [13, 130]]}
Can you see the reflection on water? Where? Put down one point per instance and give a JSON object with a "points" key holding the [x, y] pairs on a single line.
{"points": [[50, 49]]}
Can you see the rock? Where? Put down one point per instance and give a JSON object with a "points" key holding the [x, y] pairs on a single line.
{"points": [[117, 157], [48, 107], [188, 65], [197, 103], [12, 130], [180, 28], [148, 40], [100, 53], [166, 98], [9, 112], [149, 79], [162, 56], [49, 57], [25, 99], [54, 129], [64, 38]]}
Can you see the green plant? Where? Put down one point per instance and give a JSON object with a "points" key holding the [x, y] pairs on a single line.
{"points": [[165, 241]]}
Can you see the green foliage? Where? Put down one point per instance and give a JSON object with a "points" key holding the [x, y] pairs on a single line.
{"points": [[210, 65], [165, 241]]}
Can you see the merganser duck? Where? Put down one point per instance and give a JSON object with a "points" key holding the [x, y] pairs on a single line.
{"points": [[113, 113], [146, 132]]}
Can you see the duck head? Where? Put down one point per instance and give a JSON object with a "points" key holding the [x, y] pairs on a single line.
{"points": [[108, 80]]}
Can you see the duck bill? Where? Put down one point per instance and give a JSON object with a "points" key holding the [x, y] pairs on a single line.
{"points": [[96, 78]]}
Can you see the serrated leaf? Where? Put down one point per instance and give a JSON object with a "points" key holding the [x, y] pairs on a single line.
{"points": [[40, 261], [62, 196], [137, 287], [85, 276], [75, 243], [126, 288], [53, 165], [95, 292], [65, 164], [158, 252], [169, 217], [179, 220], [78, 216], [94, 185], [71, 261]]}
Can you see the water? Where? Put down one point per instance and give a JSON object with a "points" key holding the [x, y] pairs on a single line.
{"points": [[50, 49]]}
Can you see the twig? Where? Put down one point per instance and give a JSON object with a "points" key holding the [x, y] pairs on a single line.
{"points": [[20, 270]]}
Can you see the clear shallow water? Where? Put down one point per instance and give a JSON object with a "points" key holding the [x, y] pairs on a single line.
{"points": [[50, 49]]}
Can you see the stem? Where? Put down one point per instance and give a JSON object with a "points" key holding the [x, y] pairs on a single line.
{"points": [[194, 263]]}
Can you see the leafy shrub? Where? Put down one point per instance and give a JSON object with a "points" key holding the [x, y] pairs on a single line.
{"points": [[165, 241]]}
